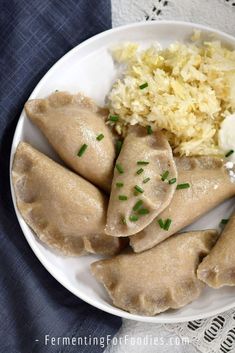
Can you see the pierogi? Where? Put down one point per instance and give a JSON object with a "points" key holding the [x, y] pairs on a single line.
{"points": [[202, 184], [74, 125], [158, 279], [65, 211], [218, 268], [141, 186]]}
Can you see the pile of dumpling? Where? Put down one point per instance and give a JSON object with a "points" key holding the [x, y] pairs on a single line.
{"points": [[129, 197]]}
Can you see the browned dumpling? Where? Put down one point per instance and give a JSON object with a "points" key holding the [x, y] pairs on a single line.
{"points": [[158, 279], [209, 185], [140, 188], [218, 268], [65, 211], [70, 123]]}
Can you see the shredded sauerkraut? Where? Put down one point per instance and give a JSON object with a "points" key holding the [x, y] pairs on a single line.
{"points": [[186, 90]]}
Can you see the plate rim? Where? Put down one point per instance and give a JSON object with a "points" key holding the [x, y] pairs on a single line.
{"points": [[43, 260]]}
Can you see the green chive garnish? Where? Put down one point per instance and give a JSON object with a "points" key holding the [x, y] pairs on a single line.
{"points": [[172, 181], [119, 146], [122, 197], [119, 185], [138, 189], [146, 180], [165, 175], [139, 171], [229, 153], [142, 163], [224, 221], [167, 224], [82, 150], [183, 186], [133, 218], [138, 205], [149, 130], [144, 85], [164, 225], [113, 117], [143, 211], [123, 219], [161, 223], [100, 137], [119, 168]]}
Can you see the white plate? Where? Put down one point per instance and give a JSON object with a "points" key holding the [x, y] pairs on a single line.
{"points": [[89, 68]]}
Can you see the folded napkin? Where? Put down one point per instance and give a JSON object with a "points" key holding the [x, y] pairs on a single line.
{"points": [[34, 34]]}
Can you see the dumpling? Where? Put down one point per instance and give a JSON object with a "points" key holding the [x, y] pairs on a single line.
{"points": [[76, 129], [218, 268], [203, 183], [141, 187], [158, 279], [65, 211]]}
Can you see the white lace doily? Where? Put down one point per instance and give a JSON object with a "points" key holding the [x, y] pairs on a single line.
{"points": [[214, 335], [217, 334], [219, 14]]}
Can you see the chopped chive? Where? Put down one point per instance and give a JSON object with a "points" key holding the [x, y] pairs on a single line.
{"points": [[144, 85], [164, 225], [167, 224], [119, 168], [149, 130], [139, 171], [100, 137], [165, 175], [119, 146], [224, 221], [138, 189], [122, 197], [133, 218], [113, 117], [119, 185], [172, 181], [82, 150], [146, 180], [123, 219], [143, 211], [229, 153], [161, 223], [142, 162], [137, 205], [183, 186]]}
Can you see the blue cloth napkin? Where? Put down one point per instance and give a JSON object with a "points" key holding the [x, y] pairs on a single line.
{"points": [[34, 34]]}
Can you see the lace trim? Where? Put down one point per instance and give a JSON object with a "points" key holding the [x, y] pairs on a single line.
{"points": [[157, 10], [214, 335], [229, 2], [215, 13]]}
